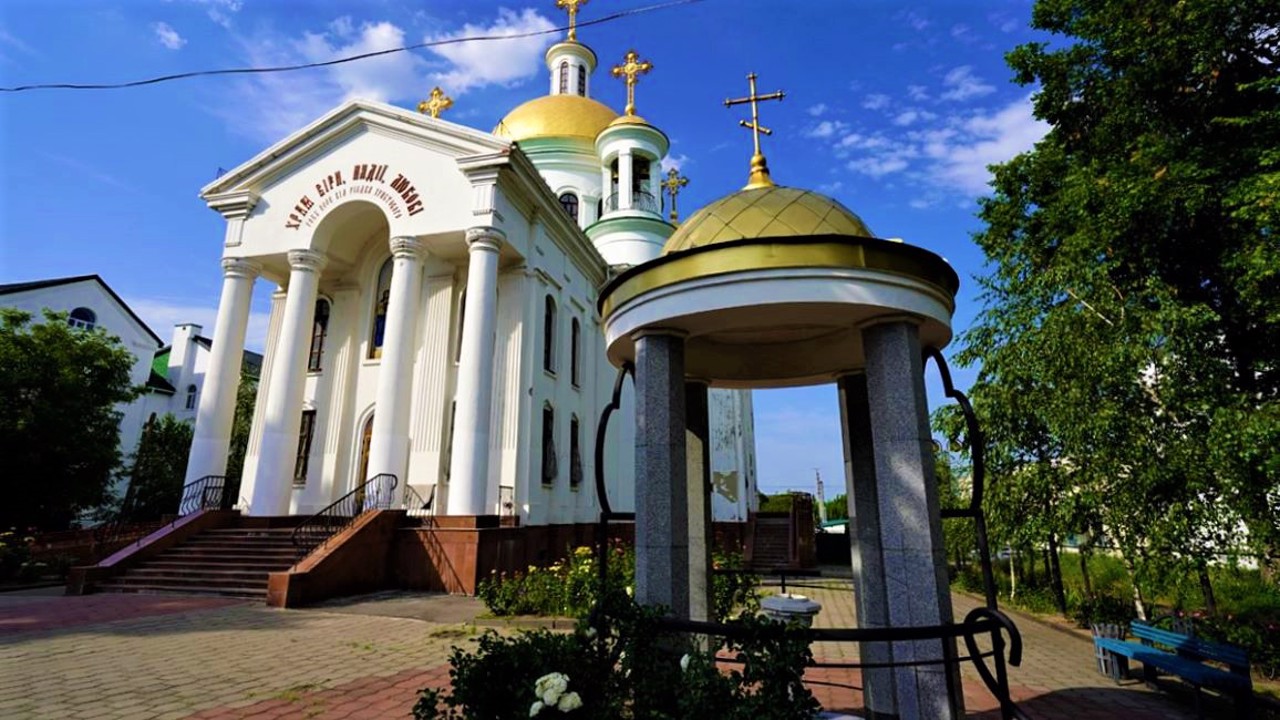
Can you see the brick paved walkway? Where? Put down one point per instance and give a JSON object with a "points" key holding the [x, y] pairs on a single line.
{"points": [[134, 657]]}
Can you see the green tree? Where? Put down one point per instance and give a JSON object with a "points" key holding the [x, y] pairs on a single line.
{"points": [[159, 466], [1130, 338], [246, 400], [838, 507], [59, 423]]}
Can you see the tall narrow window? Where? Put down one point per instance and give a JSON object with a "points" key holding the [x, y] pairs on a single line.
{"points": [[640, 175], [569, 202], [582, 80], [83, 318], [448, 442], [381, 298], [319, 329], [305, 431], [575, 351], [575, 453], [191, 396], [549, 467], [549, 335], [462, 319], [564, 77]]}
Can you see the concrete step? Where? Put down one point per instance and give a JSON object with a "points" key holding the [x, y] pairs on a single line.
{"points": [[158, 589], [246, 562], [202, 574]]}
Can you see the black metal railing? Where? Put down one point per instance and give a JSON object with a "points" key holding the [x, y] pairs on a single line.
{"points": [[120, 531], [642, 201], [376, 493], [415, 506]]}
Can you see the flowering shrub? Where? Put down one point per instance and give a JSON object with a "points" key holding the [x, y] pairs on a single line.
{"points": [[635, 671], [571, 587]]}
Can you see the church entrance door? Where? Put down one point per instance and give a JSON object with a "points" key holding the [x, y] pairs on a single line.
{"points": [[363, 468]]}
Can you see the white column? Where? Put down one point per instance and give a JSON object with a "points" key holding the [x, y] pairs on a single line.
{"points": [[283, 416], [469, 469], [606, 188], [389, 445], [218, 398], [624, 180]]}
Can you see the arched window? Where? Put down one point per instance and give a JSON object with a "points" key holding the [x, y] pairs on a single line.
{"points": [[319, 329], [83, 318], [569, 202], [575, 351], [191, 396], [381, 298], [462, 319], [564, 77], [640, 175], [549, 335], [575, 453], [582, 80], [549, 466]]}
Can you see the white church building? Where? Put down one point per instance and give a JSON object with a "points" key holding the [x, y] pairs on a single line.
{"points": [[435, 318]]}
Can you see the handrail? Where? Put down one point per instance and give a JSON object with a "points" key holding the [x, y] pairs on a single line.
{"points": [[375, 493], [415, 506], [205, 493], [640, 200]]}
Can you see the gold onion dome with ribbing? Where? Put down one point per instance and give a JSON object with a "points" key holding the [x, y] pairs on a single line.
{"points": [[571, 116], [766, 212]]}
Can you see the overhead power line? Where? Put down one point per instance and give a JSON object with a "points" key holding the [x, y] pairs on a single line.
{"points": [[329, 63]]}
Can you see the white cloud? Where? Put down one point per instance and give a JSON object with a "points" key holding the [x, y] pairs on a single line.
{"points": [[877, 101], [826, 129], [962, 85], [986, 139], [915, 20], [879, 166], [677, 161], [167, 36], [161, 314], [1005, 23], [919, 93], [817, 110], [270, 106], [495, 62], [831, 187], [220, 11], [963, 33], [910, 116], [11, 40]]}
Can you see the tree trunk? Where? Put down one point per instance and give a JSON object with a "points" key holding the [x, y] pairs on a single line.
{"points": [[1013, 573], [1139, 605], [1206, 588], [1055, 575], [1084, 572]]}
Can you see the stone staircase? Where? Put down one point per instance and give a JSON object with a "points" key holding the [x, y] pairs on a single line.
{"points": [[772, 544], [231, 562]]}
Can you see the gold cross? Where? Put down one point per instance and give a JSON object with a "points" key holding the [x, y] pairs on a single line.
{"points": [[630, 70], [438, 103], [572, 7], [759, 170], [672, 185]]}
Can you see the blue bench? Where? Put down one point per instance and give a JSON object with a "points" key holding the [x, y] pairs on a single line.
{"points": [[1184, 656]]}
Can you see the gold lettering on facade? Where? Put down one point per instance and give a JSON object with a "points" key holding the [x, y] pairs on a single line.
{"points": [[364, 180]]}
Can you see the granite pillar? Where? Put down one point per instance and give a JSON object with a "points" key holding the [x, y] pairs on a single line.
{"points": [[698, 489], [912, 551], [662, 512], [869, 591]]}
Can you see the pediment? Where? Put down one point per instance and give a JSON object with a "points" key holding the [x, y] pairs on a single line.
{"points": [[343, 125]]}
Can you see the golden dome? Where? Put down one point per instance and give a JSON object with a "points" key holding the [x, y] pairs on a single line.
{"points": [[766, 212], [556, 116], [629, 120]]}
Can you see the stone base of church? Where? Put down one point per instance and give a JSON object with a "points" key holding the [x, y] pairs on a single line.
{"points": [[457, 553]]}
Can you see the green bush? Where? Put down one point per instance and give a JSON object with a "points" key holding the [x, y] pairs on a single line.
{"points": [[571, 587], [632, 670], [15, 552], [1102, 609]]}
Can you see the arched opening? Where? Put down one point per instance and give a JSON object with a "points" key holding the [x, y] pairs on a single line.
{"points": [[549, 335], [582, 80], [381, 299], [575, 352], [550, 468], [569, 202], [575, 453], [319, 329], [362, 467], [192, 390], [83, 318], [306, 432], [564, 77]]}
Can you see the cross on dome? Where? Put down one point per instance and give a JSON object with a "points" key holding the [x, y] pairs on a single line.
{"points": [[672, 185], [571, 6], [759, 169], [438, 103], [630, 70]]}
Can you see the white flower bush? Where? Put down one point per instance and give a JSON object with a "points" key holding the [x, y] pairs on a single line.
{"points": [[552, 690]]}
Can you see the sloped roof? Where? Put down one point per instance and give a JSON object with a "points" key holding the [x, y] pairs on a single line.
{"points": [[158, 383], [54, 282]]}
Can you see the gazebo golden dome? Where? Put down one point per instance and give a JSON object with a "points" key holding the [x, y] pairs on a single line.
{"points": [[773, 211], [571, 116]]}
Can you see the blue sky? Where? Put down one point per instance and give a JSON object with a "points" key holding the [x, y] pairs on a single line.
{"points": [[895, 109]]}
